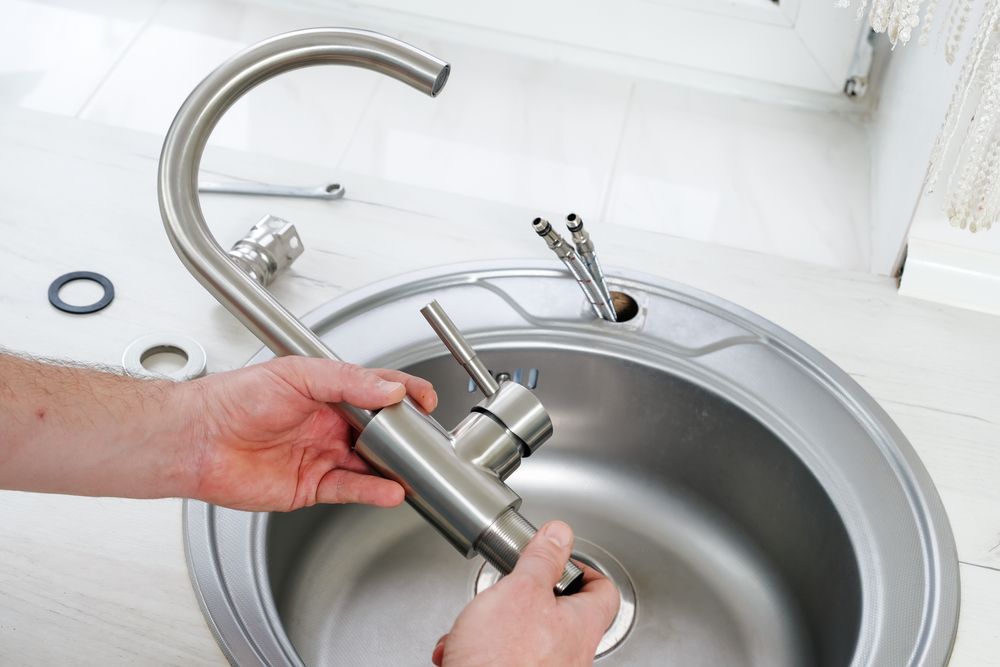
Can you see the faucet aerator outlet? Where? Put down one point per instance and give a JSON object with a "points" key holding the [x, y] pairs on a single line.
{"points": [[455, 479]]}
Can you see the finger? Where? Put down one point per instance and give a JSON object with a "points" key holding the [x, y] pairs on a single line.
{"points": [[545, 556], [437, 656], [345, 486], [589, 573], [419, 388], [596, 603], [337, 382]]}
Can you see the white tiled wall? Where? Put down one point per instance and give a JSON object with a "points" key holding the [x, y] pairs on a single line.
{"points": [[510, 128], [506, 129], [55, 55], [735, 172]]}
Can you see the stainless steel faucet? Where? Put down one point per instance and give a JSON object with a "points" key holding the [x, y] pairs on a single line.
{"points": [[455, 479]]}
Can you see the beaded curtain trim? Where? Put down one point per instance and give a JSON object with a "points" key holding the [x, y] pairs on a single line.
{"points": [[969, 140]]}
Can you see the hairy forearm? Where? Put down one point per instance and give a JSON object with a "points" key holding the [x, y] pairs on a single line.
{"points": [[76, 430]]}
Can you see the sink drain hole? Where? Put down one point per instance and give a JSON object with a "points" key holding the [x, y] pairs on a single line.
{"points": [[590, 554], [625, 306]]}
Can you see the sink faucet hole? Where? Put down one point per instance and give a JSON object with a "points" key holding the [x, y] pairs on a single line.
{"points": [[625, 306]]}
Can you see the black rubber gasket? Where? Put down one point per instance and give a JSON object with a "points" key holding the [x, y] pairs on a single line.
{"points": [[100, 304]]}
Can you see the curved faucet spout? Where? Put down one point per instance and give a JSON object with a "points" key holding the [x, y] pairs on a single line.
{"points": [[185, 142]]}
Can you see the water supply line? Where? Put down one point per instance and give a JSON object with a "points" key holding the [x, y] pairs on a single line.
{"points": [[599, 303], [585, 248], [455, 479]]}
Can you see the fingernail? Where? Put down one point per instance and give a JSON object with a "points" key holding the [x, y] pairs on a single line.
{"points": [[559, 533], [389, 387]]}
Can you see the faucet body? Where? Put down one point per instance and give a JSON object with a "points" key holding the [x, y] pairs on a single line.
{"points": [[455, 479]]}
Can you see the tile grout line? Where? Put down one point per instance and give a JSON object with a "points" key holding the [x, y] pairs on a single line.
{"points": [[982, 567], [616, 161], [357, 126], [121, 57]]}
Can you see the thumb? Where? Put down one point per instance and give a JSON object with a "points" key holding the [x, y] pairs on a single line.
{"points": [[545, 556]]}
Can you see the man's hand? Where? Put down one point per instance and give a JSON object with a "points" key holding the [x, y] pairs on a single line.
{"points": [[266, 438], [519, 620], [259, 438]]}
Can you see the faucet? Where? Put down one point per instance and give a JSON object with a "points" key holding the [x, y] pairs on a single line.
{"points": [[455, 479]]}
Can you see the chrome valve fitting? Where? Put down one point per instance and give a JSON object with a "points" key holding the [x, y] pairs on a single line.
{"points": [[268, 248]]}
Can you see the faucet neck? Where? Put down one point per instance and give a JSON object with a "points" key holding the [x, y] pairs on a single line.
{"points": [[185, 143]]}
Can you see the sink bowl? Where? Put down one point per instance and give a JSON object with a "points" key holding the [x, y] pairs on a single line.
{"points": [[752, 503]]}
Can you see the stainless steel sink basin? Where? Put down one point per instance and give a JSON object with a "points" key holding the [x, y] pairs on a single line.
{"points": [[753, 504]]}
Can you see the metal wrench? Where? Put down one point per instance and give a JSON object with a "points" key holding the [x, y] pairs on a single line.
{"points": [[331, 191]]}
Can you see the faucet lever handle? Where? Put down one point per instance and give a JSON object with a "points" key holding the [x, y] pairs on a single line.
{"points": [[459, 347]]}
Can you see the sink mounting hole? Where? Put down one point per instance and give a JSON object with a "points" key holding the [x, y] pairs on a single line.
{"points": [[625, 306]]}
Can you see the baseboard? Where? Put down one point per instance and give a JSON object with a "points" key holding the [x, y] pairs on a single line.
{"points": [[952, 275]]}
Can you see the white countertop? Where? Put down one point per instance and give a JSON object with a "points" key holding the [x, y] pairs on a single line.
{"points": [[103, 581]]}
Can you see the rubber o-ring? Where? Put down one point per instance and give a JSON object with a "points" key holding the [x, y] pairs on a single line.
{"points": [[58, 283]]}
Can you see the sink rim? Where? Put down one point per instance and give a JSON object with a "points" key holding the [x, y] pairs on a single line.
{"points": [[202, 522]]}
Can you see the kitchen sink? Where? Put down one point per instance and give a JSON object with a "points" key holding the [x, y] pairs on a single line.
{"points": [[751, 502]]}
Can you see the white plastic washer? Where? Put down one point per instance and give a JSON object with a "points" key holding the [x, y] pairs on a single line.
{"points": [[143, 346]]}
